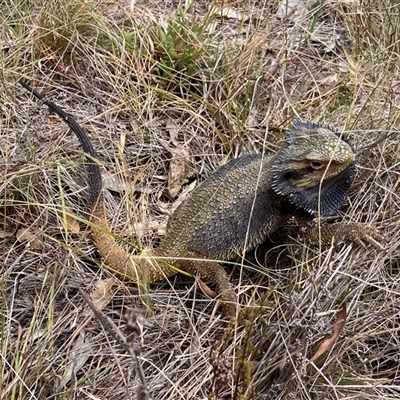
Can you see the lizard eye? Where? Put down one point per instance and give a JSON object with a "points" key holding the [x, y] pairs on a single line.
{"points": [[288, 175], [316, 165]]}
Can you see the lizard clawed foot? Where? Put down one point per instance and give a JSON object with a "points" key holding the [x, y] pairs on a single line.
{"points": [[361, 234], [346, 232], [229, 303], [227, 297]]}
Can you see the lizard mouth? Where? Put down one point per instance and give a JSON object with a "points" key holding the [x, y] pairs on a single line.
{"points": [[305, 182]]}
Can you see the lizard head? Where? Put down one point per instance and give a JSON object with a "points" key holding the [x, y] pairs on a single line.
{"points": [[314, 169]]}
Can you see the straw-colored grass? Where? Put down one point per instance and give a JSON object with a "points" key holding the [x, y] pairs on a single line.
{"points": [[219, 81]]}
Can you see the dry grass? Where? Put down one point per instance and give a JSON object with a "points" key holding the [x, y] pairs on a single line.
{"points": [[140, 77]]}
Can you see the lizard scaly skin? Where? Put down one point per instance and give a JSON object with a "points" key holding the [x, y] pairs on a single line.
{"points": [[237, 207]]}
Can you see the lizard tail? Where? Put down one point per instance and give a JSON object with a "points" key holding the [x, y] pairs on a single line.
{"points": [[112, 254]]}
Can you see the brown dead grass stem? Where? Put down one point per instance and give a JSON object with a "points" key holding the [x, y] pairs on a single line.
{"points": [[218, 82]]}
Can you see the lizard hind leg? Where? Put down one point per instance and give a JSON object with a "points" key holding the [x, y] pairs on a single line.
{"points": [[143, 268], [210, 270]]}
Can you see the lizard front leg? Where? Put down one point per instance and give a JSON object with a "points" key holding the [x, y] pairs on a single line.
{"points": [[344, 231]]}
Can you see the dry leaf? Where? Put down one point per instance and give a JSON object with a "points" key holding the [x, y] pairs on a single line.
{"points": [[173, 129], [70, 224], [355, 3], [102, 295], [229, 13], [337, 330], [24, 235], [232, 14], [207, 290], [181, 167], [5, 234], [169, 208], [292, 9], [113, 182], [141, 229], [78, 356]]}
